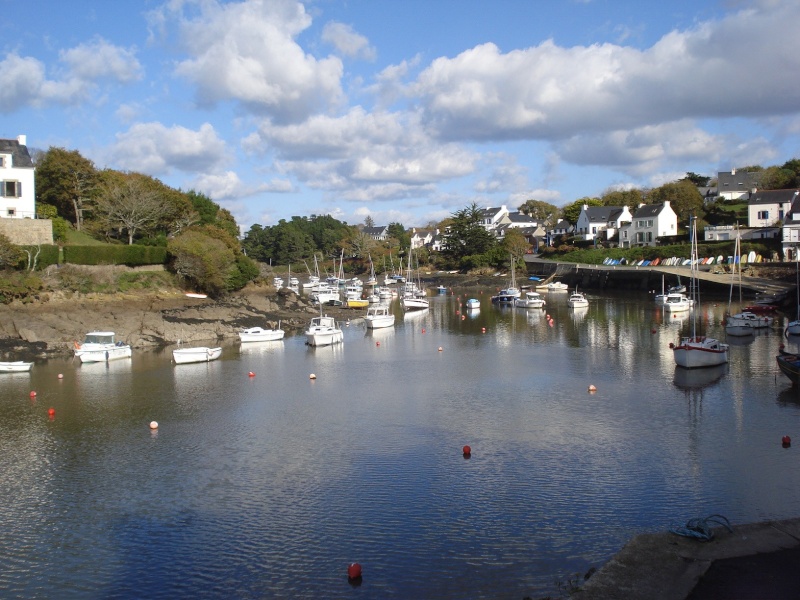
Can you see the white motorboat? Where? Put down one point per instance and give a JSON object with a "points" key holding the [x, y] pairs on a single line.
{"points": [[100, 346], [379, 317], [698, 350], [677, 303], [16, 366], [530, 300], [557, 286], [323, 331], [473, 303], [411, 304], [577, 300], [259, 334], [195, 355]]}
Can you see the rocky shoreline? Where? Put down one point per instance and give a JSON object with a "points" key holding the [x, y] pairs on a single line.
{"points": [[50, 327]]}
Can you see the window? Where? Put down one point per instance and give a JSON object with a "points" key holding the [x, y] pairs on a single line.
{"points": [[11, 189], [11, 212], [763, 215], [650, 222], [649, 236], [2, 161]]}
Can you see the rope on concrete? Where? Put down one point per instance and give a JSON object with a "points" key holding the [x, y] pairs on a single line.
{"points": [[699, 529]]}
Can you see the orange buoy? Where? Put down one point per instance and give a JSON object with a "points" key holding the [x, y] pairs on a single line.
{"points": [[377, 343], [466, 451], [251, 374], [153, 424], [786, 441], [463, 317], [312, 376], [61, 376], [423, 330], [592, 389], [33, 394], [51, 411], [354, 571]]}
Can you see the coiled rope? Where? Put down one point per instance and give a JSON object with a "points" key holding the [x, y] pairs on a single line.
{"points": [[699, 529]]}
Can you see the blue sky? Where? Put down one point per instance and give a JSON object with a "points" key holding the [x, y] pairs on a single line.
{"points": [[404, 111]]}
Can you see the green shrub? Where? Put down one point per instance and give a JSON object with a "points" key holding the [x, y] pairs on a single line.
{"points": [[111, 254]]}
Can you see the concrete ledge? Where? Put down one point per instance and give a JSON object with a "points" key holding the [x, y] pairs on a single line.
{"points": [[665, 566]]}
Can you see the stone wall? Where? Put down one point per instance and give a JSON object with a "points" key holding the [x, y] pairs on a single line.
{"points": [[27, 232]]}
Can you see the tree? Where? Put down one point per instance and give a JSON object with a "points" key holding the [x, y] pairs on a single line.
{"points": [[466, 235], [697, 180], [206, 263], [684, 198], [359, 245], [777, 178], [572, 211], [515, 243], [544, 212], [68, 181], [369, 221], [10, 254], [130, 205], [630, 198], [398, 232]]}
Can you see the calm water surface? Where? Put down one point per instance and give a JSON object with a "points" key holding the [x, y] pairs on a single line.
{"points": [[269, 486]]}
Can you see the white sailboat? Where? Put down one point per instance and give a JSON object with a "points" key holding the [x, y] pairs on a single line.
{"points": [[409, 300], [511, 293], [697, 350]]}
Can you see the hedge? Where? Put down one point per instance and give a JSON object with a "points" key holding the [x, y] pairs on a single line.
{"points": [[130, 255], [48, 255]]}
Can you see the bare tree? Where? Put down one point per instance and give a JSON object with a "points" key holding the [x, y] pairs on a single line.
{"points": [[131, 207]]}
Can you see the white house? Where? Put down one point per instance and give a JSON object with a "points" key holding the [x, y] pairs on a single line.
{"points": [[379, 234], [491, 218], [791, 231], [17, 193], [648, 223], [767, 208], [422, 237], [601, 222]]}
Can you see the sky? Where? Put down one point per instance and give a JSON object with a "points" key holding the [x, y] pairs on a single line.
{"points": [[404, 111]]}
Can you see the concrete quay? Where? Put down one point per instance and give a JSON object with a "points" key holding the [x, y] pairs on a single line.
{"points": [[758, 561]]}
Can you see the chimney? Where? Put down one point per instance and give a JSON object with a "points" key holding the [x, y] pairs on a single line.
{"points": [[733, 171], [666, 203], [23, 140]]}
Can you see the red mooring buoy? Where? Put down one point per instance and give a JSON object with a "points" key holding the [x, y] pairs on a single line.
{"points": [[251, 374], [354, 571], [51, 411], [786, 441], [466, 451], [33, 394]]}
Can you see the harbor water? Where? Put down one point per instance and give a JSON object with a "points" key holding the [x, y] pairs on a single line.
{"points": [[270, 485]]}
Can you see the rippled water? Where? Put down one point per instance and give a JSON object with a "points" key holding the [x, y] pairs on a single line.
{"points": [[269, 486]]}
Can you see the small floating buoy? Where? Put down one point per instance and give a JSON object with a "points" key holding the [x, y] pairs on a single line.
{"points": [[153, 424], [592, 389], [51, 411], [33, 394], [251, 374], [354, 571], [423, 330], [466, 451], [483, 329], [547, 317], [312, 376], [61, 376], [786, 441], [458, 312], [377, 343], [463, 317], [653, 330], [440, 348]]}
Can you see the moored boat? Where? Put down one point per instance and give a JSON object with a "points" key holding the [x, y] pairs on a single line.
{"points": [[677, 302], [789, 364], [577, 300], [101, 346], [323, 331], [195, 355], [259, 334], [379, 317], [473, 303], [530, 300], [15, 366]]}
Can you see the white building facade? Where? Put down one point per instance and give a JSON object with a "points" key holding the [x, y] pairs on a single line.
{"points": [[17, 183]]}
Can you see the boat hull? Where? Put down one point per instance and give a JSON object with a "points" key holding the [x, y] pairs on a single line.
{"points": [[789, 364], [103, 354], [16, 366], [257, 334], [700, 352], [410, 304], [195, 355]]}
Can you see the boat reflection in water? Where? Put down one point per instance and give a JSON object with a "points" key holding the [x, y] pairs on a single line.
{"points": [[270, 347], [697, 379]]}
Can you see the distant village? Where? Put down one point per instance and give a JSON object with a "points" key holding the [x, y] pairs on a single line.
{"points": [[770, 214]]}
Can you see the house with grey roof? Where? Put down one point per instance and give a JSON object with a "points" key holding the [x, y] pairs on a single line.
{"points": [[791, 229], [377, 233], [560, 229], [767, 208], [492, 217], [17, 193], [648, 224], [736, 184], [422, 237], [601, 222], [521, 220]]}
